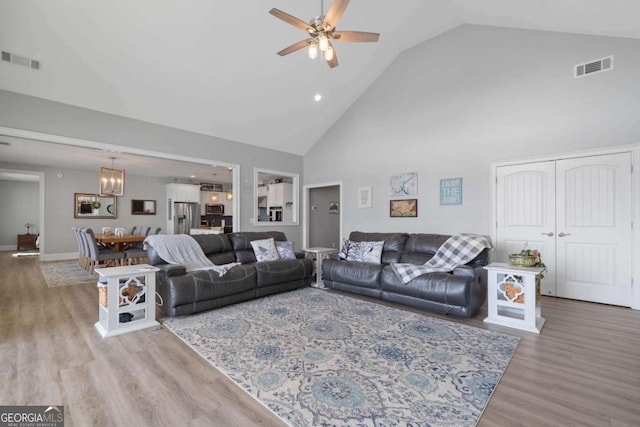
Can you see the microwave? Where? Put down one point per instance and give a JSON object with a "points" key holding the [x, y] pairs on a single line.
{"points": [[214, 209]]}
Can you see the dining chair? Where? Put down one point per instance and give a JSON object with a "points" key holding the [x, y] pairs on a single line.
{"points": [[99, 255], [76, 234], [136, 254], [84, 248]]}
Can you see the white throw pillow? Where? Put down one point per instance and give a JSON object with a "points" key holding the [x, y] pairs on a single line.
{"points": [[285, 250], [265, 250], [362, 251]]}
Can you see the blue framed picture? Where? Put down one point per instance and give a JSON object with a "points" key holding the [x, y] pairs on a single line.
{"points": [[451, 191]]}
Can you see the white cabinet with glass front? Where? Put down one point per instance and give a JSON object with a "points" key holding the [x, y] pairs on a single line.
{"points": [[514, 296]]}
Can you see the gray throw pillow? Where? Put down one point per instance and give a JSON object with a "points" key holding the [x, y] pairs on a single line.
{"points": [[265, 250], [285, 250]]}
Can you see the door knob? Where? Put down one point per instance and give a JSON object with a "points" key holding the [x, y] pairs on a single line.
{"points": [[547, 234], [564, 234]]}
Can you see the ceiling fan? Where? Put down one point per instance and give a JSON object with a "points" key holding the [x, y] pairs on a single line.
{"points": [[322, 30]]}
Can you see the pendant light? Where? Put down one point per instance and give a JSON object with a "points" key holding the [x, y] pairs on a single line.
{"points": [[111, 181]]}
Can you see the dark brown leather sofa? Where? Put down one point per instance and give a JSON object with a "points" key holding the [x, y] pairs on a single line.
{"points": [[461, 292], [183, 293]]}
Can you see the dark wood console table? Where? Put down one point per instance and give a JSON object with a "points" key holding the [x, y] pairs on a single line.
{"points": [[26, 241]]}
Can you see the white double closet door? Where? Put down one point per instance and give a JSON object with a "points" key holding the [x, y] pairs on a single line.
{"points": [[577, 213]]}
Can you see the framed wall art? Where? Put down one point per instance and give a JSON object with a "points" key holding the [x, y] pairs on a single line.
{"points": [[404, 208], [451, 191], [364, 197], [403, 185]]}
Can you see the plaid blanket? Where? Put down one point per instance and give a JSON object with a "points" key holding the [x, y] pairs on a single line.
{"points": [[457, 250]]}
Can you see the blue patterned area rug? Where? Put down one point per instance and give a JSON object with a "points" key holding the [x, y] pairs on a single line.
{"points": [[317, 358]]}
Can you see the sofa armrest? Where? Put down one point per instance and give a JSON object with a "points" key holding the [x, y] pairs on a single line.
{"points": [[172, 270], [465, 271], [300, 255]]}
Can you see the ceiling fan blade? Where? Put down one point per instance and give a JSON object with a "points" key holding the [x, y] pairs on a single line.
{"points": [[334, 14], [294, 47], [355, 36], [334, 61], [290, 19]]}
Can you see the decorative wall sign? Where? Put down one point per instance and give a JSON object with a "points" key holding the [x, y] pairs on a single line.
{"points": [[403, 185], [334, 207], [364, 197], [407, 208], [451, 191]]}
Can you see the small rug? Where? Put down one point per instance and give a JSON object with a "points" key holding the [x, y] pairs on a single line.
{"points": [[65, 273], [321, 359]]}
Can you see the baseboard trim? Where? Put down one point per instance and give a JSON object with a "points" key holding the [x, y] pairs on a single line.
{"points": [[7, 248], [59, 257]]}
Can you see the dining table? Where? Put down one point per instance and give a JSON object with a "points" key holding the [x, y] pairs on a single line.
{"points": [[119, 243]]}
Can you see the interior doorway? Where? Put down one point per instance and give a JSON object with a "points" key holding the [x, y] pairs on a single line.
{"points": [[323, 214], [22, 207]]}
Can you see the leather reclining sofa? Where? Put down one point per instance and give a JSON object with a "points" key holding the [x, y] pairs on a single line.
{"points": [[185, 293], [461, 292]]}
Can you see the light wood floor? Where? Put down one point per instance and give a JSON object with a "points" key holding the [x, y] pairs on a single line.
{"points": [[583, 370]]}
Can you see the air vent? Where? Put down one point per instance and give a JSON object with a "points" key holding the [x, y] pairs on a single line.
{"points": [[21, 60], [592, 67]]}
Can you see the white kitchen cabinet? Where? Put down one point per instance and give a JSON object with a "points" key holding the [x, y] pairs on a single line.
{"points": [[183, 192], [279, 194]]}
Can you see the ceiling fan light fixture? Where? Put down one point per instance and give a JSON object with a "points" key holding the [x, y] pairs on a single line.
{"points": [[313, 51], [328, 54], [322, 30], [323, 42]]}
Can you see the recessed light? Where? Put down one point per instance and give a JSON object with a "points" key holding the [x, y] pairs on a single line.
{"points": [[317, 98], [192, 176]]}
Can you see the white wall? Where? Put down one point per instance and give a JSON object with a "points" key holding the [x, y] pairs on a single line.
{"points": [[19, 205], [449, 107]]}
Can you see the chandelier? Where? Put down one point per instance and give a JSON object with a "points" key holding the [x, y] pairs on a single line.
{"points": [[111, 181]]}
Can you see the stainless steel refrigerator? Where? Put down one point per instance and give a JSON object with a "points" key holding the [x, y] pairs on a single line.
{"points": [[185, 217]]}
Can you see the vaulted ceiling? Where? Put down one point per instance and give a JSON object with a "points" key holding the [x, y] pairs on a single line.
{"points": [[210, 66]]}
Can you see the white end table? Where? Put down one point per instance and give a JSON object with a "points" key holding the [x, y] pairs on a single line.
{"points": [[121, 281], [514, 296], [319, 253]]}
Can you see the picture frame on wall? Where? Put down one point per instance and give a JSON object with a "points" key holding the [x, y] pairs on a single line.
{"points": [[403, 208], [403, 185], [364, 197], [334, 207], [451, 191]]}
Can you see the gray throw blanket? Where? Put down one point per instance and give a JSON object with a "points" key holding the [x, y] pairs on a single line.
{"points": [[456, 251], [182, 249]]}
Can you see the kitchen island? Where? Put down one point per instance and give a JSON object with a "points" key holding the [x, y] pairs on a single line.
{"points": [[207, 230]]}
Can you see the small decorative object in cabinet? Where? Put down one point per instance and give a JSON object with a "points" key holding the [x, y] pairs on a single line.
{"points": [[126, 299]]}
